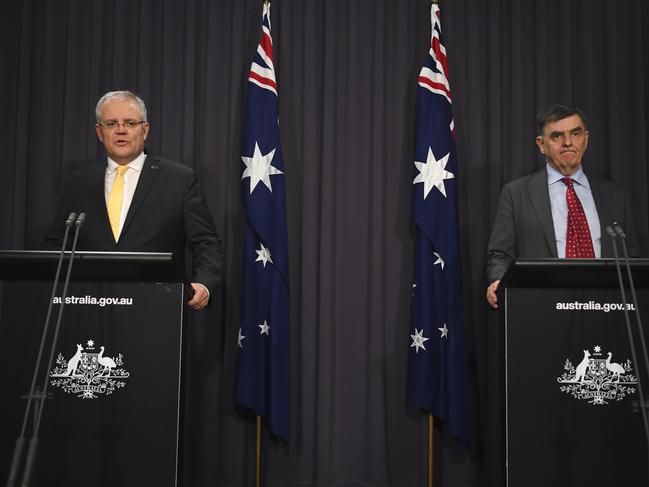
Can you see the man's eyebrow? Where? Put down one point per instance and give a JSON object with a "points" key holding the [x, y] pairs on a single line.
{"points": [[579, 128]]}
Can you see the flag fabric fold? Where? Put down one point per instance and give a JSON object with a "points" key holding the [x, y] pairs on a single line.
{"points": [[437, 379], [262, 381]]}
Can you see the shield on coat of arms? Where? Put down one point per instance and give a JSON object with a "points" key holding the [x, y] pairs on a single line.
{"points": [[88, 365], [597, 367]]}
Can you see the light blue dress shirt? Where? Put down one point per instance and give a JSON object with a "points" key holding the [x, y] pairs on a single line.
{"points": [[559, 207]]}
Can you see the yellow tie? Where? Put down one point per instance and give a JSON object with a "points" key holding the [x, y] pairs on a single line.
{"points": [[115, 200]]}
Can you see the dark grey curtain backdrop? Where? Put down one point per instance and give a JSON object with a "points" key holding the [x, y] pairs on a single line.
{"points": [[347, 75]]}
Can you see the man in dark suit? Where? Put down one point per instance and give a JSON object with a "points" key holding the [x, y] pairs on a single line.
{"points": [[140, 203], [531, 221]]}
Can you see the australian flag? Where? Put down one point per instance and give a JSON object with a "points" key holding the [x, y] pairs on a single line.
{"points": [[437, 360], [263, 373]]}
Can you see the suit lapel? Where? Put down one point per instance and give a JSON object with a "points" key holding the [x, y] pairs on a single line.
{"points": [[604, 217], [148, 177], [540, 197]]}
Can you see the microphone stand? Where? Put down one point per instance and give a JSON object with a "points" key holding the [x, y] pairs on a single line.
{"points": [[33, 442], [613, 236], [20, 441], [627, 263]]}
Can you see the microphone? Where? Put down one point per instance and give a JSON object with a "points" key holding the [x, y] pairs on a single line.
{"points": [[81, 219], [620, 232], [71, 218], [610, 232]]}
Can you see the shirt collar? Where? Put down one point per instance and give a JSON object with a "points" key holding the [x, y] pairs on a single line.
{"points": [[555, 176], [137, 164]]}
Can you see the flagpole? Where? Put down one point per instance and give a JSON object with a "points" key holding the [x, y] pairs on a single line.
{"points": [[431, 425], [258, 454], [431, 418]]}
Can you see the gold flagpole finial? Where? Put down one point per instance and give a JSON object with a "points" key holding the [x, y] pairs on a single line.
{"points": [[435, 2]]}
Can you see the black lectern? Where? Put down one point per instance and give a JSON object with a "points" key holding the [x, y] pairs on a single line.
{"points": [[572, 404], [112, 416]]}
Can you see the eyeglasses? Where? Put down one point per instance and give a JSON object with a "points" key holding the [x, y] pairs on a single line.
{"points": [[127, 124]]}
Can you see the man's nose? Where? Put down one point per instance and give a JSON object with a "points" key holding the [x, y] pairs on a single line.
{"points": [[567, 139], [121, 128]]}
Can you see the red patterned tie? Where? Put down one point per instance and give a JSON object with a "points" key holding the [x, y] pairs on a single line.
{"points": [[578, 241]]}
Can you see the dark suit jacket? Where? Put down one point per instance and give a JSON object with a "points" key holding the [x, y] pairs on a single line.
{"points": [[168, 214], [524, 226]]}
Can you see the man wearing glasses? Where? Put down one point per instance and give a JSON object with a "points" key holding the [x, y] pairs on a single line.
{"points": [[557, 212], [140, 203]]}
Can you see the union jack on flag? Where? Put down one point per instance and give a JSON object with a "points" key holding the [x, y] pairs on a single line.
{"points": [[437, 360], [262, 374]]}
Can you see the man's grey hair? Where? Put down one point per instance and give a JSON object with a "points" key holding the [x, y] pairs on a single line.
{"points": [[554, 113], [120, 95]]}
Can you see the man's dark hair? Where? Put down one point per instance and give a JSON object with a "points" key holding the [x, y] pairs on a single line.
{"points": [[554, 113]]}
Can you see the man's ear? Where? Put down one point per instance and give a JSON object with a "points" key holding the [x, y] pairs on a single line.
{"points": [[539, 144]]}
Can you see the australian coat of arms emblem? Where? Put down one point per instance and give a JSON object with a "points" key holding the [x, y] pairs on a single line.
{"points": [[597, 379], [89, 372]]}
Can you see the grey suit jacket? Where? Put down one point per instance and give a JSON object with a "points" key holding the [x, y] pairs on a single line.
{"points": [[524, 226]]}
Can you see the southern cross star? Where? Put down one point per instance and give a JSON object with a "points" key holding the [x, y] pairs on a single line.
{"points": [[444, 331], [263, 255], [439, 260], [418, 340], [265, 327]]}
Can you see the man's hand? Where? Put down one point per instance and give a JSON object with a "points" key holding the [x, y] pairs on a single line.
{"points": [[492, 289], [201, 297]]}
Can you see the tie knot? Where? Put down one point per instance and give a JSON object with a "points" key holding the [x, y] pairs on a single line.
{"points": [[121, 170], [568, 182]]}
